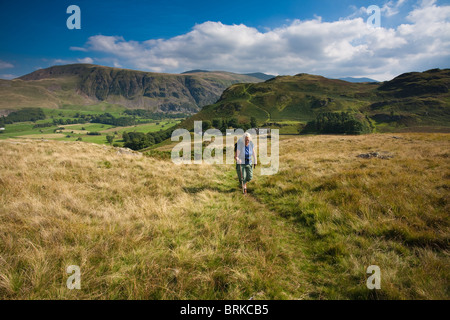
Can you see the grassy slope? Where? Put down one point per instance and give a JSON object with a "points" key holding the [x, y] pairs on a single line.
{"points": [[46, 93], [144, 228], [287, 98]]}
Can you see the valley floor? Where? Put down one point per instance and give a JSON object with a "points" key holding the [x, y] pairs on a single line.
{"points": [[144, 228]]}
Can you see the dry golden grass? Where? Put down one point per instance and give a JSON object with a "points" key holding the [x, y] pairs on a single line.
{"points": [[138, 228], [142, 228], [43, 136], [357, 212]]}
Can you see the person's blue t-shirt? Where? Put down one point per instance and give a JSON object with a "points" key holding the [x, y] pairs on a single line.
{"points": [[245, 152], [248, 154]]}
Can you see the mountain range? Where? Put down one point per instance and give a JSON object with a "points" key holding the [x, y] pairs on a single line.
{"points": [[85, 84], [414, 99], [411, 99]]}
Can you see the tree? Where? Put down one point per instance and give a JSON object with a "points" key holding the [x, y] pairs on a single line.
{"points": [[337, 122], [353, 127], [245, 126], [233, 123], [151, 138], [253, 123], [216, 123], [224, 126], [136, 140], [206, 124], [157, 137], [110, 139]]}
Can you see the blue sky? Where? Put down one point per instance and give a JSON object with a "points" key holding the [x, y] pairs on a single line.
{"points": [[326, 37]]}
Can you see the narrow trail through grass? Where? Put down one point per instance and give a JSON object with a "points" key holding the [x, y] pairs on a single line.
{"points": [[139, 228], [285, 241]]}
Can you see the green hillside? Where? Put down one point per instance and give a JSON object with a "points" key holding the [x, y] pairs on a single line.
{"points": [[411, 100], [84, 84]]}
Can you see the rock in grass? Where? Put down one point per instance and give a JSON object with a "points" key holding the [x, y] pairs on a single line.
{"points": [[375, 155], [127, 151]]}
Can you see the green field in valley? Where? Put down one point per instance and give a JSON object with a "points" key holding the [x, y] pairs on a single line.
{"points": [[74, 132]]}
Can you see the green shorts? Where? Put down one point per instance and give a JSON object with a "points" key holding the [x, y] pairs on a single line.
{"points": [[247, 172]]}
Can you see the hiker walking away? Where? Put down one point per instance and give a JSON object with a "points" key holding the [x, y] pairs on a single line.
{"points": [[245, 160]]}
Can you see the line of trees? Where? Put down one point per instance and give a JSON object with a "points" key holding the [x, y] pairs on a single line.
{"points": [[26, 114], [35, 114], [140, 140], [43, 125], [61, 121], [107, 118], [337, 123], [155, 115], [224, 124]]}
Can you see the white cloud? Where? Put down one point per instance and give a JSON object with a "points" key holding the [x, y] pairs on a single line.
{"points": [[5, 65], [388, 9], [8, 76], [392, 8], [346, 47], [117, 65], [80, 60], [86, 60], [78, 49]]}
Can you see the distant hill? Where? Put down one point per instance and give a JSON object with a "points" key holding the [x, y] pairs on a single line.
{"points": [[358, 80], [85, 84], [258, 75], [411, 99], [195, 71]]}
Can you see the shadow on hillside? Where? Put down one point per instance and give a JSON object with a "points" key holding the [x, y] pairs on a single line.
{"points": [[198, 189]]}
